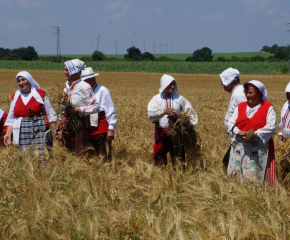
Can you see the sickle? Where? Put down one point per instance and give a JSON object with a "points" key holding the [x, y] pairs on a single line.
{"points": [[250, 133]]}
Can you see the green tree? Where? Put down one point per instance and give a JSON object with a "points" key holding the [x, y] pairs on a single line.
{"points": [[201, 55], [27, 54], [4, 53], [30, 54], [98, 56], [133, 53], [148, 56]]}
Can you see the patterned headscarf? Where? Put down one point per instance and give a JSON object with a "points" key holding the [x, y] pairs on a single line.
{"points": [[74, 66]]}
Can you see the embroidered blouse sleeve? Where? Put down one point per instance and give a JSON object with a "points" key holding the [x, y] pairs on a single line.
{"points": [[269, 130], [155, 112], [91, 104], [49, 111], [187, 108]]}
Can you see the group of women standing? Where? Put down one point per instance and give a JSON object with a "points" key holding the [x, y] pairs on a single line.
{"points": [[252, 125]]}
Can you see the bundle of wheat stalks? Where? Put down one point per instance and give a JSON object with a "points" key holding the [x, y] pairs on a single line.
{"points": [[74, 122], [283, 162], [183, 134]]}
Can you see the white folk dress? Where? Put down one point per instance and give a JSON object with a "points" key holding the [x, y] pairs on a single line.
{"points": [[251, 159]]}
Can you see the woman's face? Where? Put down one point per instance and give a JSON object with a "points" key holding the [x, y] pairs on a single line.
{"points": [[170, 88], [253, 96], [24, 84], [288, 96]]}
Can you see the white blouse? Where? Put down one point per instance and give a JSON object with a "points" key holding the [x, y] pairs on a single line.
{"points": [[237, 96], [285, 123], [264, 133], [158, 103], [81, 96], [103, 98]]}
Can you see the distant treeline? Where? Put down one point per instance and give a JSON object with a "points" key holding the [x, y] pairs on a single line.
{"points": [[27, 54], [280, 52], [134, 54]]}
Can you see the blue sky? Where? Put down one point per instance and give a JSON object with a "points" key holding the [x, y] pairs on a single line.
{"points": [[182, 26]]}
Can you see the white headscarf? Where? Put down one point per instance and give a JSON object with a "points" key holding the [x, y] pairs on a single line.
{"points": [[261, 87], [74, 66], [165, 81], [287, 89], [228, 75], [34, 93]]}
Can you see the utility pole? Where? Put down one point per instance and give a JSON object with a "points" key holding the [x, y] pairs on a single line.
{"points": [[161, 48], [98, 42], [57, 42], [154, 47], [116, 50], [172, 48], [176, 49], [144, 46], [132, 43], [166, 47]]}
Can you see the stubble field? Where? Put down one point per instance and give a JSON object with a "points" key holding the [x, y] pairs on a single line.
{"points": [[73, 198]]}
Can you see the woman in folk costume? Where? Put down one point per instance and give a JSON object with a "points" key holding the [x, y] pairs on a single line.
{"points": [[285, 119], [81, 97], [166, 103], [103, 123], [253, 156], [30, 114], [3, 128]]}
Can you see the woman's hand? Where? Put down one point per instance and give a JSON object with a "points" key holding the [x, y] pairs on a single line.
{"points": [[242, 134], [7, 139], [58, 135], [280, 141], [110, 135], [74, 111], [170, 111]]}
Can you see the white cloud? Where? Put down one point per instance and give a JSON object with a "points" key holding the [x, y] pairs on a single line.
{"points": [[46, 20], [158, 10], [265, 7], [19, 25], [217, 16], [24, 3], [119, 6], [119, 15]]}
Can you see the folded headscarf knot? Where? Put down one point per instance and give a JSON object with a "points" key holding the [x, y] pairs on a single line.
{"points": [[74, 66]]}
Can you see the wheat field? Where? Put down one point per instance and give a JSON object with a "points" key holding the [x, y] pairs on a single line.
{"points": [[83, 198]]}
